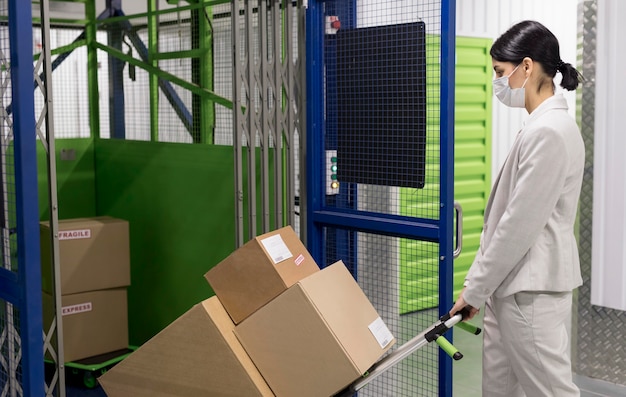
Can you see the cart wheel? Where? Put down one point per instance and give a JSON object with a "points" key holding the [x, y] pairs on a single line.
{"points": [[89, 380]]}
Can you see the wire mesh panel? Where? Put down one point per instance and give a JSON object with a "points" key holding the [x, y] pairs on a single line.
{"points": [[377, 269], [404, 39], [381, 121], [70, 99], [10, 341], [265, 111], [7, 158], [156, 73], [383, 155], [174, 74]]}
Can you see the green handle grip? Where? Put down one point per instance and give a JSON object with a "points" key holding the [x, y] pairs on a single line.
{"points": [[449, 348], [471, 328]]}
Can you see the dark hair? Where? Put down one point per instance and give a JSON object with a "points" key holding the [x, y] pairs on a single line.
{"points": [[532, 39]]}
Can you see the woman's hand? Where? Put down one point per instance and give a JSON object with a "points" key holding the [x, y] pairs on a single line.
{"points": [[460, 305]]}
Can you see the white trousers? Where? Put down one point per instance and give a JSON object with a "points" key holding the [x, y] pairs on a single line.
{"points": [[526, 349]]}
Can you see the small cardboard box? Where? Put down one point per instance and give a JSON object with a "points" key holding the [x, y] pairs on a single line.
{"points": [[317, 337], [94, 254], [259, 271], [93, 322], [196, 355]]}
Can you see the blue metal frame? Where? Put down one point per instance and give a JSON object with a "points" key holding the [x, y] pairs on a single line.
{"points": [[446, 212], [318, 215], [117, 119], [25, 289], [346, 246], [315, 128]]}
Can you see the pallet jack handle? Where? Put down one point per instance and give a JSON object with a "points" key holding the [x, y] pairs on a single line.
{"points": [[447, 322], [434, 333]]}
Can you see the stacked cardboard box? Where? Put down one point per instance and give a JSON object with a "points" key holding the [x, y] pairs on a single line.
{"points": [[317, 337], [278, 325], [259, 271], [94, 256], [197, 355]]}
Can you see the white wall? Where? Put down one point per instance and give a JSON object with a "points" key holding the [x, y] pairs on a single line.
{"points": [[76, 11], [491, 18], [608, 275]]}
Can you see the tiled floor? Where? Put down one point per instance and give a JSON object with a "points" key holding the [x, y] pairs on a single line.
{"points": [[468, 371]]}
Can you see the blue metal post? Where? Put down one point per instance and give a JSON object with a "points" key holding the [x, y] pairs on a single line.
{"points": [[315, 183], [117, 122], [27, 205], [446, 268]]}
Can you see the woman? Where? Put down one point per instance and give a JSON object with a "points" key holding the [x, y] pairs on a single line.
{"points": [[527, 264]]}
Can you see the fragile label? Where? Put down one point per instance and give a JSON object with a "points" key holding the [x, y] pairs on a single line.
{"points": [[299, 259], [276, 248], [75, 309], [379, 329], [74, 234]]}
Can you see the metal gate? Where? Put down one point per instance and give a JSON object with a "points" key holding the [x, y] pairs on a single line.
{"points": [[379, 165]]}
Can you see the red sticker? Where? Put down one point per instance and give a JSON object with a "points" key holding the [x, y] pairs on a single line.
{"points": [[299, 260]]}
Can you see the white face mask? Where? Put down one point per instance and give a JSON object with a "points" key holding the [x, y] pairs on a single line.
{"points": [[513, 97]]}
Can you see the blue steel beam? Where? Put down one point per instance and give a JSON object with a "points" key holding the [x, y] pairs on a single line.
{"points": [[315, 129], [446, 181], [26, 197], [117, 109], [379, 223]]}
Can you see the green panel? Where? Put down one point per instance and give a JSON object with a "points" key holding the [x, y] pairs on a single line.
{"points": [[178, 199], [472, 145], [472, 180], [76, 194]]}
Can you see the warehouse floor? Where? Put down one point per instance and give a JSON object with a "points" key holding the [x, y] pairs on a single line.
{"points": [[467, 373]]}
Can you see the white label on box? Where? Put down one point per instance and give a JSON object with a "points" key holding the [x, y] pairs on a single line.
{"points": [[75, 309], [379, 329], [74, 234], [276, 248]]}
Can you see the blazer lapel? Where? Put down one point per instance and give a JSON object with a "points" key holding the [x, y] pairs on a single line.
{"points": [[495, 184]]}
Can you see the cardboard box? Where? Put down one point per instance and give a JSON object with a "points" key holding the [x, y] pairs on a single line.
{"points": [[93, 322], [197, 355], [259, 271], [94, 254], [317, 337]]}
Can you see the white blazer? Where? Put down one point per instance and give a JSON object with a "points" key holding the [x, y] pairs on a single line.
{"points": [[528, 241]]}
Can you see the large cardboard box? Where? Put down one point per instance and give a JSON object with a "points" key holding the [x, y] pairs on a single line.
{"points": [[317, 337], [94, 254], [259, 271], [197, 355], [93, 322]]}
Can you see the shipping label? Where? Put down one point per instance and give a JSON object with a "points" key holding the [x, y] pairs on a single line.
{"points": [[379, 329], [276, 248]]}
